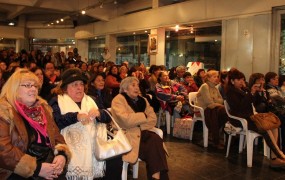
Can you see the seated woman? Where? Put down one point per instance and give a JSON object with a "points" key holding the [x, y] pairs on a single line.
{"points": [[46, 87], [112, 80], [169, 93], [74, 113], [240, 100], [278, 100], [31, 145], [210, 99], [134, 114]]}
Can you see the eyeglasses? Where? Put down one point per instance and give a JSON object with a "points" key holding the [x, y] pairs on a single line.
{"points": [[29, 86]]}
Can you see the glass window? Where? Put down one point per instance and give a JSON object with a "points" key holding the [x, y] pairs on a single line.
{"points": [[194, 45], [52, 45], [282, 46], [96, 48], [132, 49], [7, 43]]}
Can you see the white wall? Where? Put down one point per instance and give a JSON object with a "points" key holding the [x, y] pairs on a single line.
{"points": [[246, 44]]}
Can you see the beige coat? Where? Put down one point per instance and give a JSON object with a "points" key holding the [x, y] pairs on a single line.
{"points": [[209, 96], [133, 122]]}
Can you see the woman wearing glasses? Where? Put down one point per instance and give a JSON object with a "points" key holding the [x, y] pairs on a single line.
{"points": [[30, 143]]}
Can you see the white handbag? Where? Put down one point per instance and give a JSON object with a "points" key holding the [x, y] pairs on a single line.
{"points": [[106, 149]]}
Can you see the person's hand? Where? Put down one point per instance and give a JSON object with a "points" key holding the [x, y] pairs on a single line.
{"points": [[254, 88], [180, 98], [83, 118], [59, 163], [48, 171], [93, 113]]}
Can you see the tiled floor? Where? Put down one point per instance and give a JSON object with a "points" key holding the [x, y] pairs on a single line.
{"points": [[190, 160]]}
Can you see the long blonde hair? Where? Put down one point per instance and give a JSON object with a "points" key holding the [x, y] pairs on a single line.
{"points": [[10, 88]]}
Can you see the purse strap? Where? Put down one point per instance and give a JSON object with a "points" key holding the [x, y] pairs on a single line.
{"points": [[116, 124]]}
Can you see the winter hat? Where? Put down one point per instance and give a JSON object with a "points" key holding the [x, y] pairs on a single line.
{"points": [[71, 75]]}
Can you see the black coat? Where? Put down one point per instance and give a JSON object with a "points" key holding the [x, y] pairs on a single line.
{"points": [[240, 102]]}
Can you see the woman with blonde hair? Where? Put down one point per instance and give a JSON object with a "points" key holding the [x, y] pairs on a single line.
{"points": [[210, 99], [30, 143]]}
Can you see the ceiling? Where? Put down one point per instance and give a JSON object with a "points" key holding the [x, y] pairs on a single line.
{"points": [[45, 13]]}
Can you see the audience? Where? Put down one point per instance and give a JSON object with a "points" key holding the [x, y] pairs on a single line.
{"points": [[240, 100]]}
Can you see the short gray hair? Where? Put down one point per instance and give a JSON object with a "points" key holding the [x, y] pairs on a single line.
{"points": [[126, 82], [181, 68]]}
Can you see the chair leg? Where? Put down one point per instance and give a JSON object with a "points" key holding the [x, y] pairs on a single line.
{"points": [[125, 171], [191, 131], [168, 119], [250, 140], [266, 150], [136, 170], [228, 146], [241, 143], [205, 134]]}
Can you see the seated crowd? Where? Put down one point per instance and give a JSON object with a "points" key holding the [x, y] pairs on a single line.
{"points": [[50, 98]]}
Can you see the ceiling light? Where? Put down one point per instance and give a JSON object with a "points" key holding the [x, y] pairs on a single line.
{"points": [[61, 20], [115, 2], [145, 31], [57, 21], [83, 12], [134, 32], [48, 25], [11, 24], [51, 23], [95, 37], [177, 28]]}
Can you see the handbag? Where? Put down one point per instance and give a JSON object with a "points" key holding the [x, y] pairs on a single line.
{"points": [[266, 121], [110, 148]]}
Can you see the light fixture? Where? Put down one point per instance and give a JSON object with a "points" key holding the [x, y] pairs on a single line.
{"points": [[57, 21], [134, 32], [11, 24], [177, 28], [83, 12], [95, 37], [145, 31], [51, 23], [115, 2], [191, 30], [61, 20], [48, 25]]}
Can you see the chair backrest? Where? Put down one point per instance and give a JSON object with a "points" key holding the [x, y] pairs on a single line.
{"points": [[242, 120], [192, 99]]}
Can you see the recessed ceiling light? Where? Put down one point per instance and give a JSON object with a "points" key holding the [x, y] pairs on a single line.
{"points": [[11, 24], [61, 20], [134, 32], [145, 31], [83, 12], [57, 21], [51, 23]]}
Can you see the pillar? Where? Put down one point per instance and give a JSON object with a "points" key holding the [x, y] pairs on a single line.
{"points": [[159, 57], [111, 44], [83, 47]]}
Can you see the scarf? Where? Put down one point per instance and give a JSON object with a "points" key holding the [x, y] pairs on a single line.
{"points": [[36, 118], [80, 140], [138, 104]]}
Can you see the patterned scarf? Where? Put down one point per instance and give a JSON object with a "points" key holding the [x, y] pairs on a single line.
{"points": [[36, 118]]}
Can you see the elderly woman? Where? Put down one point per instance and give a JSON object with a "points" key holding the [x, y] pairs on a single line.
{"points": [[74, 114], [30, 143], [169, 93], [134, 114], [210, 99], [240, 100]]}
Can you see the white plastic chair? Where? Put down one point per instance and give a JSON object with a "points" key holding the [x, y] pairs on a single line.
{"points": [[136, 165], [168, 119], [250, 137], [198, 116]]}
